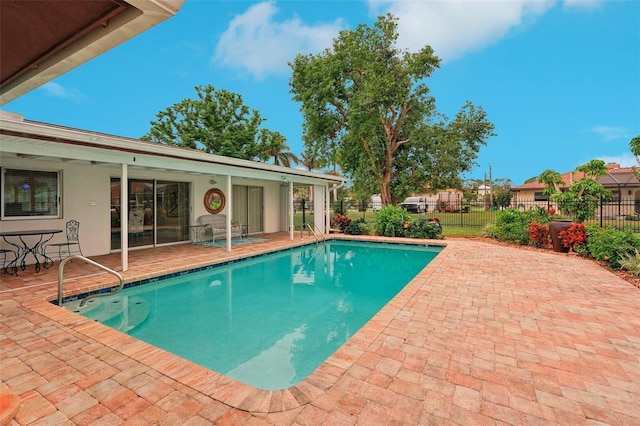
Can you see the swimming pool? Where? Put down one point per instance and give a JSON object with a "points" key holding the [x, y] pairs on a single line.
{"points": [[267, 321]]}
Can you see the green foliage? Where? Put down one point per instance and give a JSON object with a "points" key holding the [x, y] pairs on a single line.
{"points": [[273, 146], [422, 228], [216, 122], [512, 224], [504, 199], [611, 245], [389, 221], [490, 230], [366, 107], [631, 263], [355, 228], [581, 199], [551, 179], [634, 145], [593, 169]]}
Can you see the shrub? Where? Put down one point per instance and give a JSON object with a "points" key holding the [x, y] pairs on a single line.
{"points": [[611, 245], [512, 224], [631, 263], [574, 236], [340, 221], [538, 234], [423, 228], [389, 221], [490, 230], [354, 228]]}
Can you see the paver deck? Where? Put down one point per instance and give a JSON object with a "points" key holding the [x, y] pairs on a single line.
{"points": [[485, 334]]}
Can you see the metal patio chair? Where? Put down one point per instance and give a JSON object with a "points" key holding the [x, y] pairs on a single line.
{"points": [[6, 262], [72, 245]]}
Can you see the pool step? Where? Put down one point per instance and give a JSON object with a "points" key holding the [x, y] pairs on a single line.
{"points": [[122, 313]]}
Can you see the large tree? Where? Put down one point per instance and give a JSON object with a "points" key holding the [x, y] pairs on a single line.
{"points": [[367, 108], [216, 121]]}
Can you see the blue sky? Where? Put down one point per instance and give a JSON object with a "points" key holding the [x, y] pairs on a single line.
{"points": [[559, 79]]}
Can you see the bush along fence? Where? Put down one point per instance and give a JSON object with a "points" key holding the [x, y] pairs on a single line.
{"points": [[463, 213]]}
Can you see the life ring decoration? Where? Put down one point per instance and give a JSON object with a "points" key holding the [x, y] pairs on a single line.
{"points": [[214, 201]]}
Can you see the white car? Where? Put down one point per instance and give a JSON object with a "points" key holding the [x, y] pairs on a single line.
{"points": [[414, 204]]}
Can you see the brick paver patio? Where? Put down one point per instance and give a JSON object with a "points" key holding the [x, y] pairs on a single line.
{"points": [[485, 334]]}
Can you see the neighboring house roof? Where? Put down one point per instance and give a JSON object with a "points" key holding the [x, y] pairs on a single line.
{"points": [[618, 177]]}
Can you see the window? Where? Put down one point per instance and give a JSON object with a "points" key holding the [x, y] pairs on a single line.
{"points": [[539, 196], [30, 193]]}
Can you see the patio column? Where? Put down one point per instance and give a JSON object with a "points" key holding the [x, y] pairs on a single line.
{"points": [[291, 225], [327, 217], [229, 212], [124, 213]]}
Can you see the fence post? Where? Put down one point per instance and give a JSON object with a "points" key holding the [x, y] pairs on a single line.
{"points": [[601, 211], [304, 221]]}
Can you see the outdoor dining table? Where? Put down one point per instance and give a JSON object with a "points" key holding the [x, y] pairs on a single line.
{"points": [[34, 246]]}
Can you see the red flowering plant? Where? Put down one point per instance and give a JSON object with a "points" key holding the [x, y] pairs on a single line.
{"points": [[573, 237], [538, 234], [340, 221]]}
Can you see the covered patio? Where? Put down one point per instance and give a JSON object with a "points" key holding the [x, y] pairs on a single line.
{"points": [[485, 334]]}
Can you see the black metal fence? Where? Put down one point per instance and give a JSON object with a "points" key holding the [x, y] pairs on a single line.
{"points": [[623, 214]]}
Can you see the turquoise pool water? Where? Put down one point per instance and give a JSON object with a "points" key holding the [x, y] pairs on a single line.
{"points": [[267, 321]]}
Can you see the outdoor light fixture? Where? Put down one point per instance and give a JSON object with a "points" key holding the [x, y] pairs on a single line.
{"points": [[212, 181]]}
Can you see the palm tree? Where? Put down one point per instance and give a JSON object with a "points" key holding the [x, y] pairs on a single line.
{"points": [[309, 160], [274, 146], [635, 147]]}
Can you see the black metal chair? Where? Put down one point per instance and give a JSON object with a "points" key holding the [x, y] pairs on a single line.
{"points": [[72, 246], [6, 262]]}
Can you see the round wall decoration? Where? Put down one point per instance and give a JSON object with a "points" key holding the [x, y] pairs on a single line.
{"points": [[214, 201]]}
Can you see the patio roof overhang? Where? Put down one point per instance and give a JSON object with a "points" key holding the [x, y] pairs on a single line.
{"points": [[42, 39], [46, 142]]}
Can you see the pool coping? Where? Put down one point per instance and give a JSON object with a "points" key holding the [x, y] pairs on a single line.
{"points": [[230, 391]]}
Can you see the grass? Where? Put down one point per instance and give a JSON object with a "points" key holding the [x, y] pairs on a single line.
{"points": [[462, 231]]}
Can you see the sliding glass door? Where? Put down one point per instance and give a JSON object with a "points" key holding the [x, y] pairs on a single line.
{"points": [[248, 207], [172, 212], [157, 212]]}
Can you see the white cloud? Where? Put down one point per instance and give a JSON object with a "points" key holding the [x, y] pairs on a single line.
{"points": [[609, 133], [453, 28], [59, 91], [255, 42]]}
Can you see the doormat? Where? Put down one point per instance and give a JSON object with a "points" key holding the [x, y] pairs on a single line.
{"points": [[234, 242]]}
